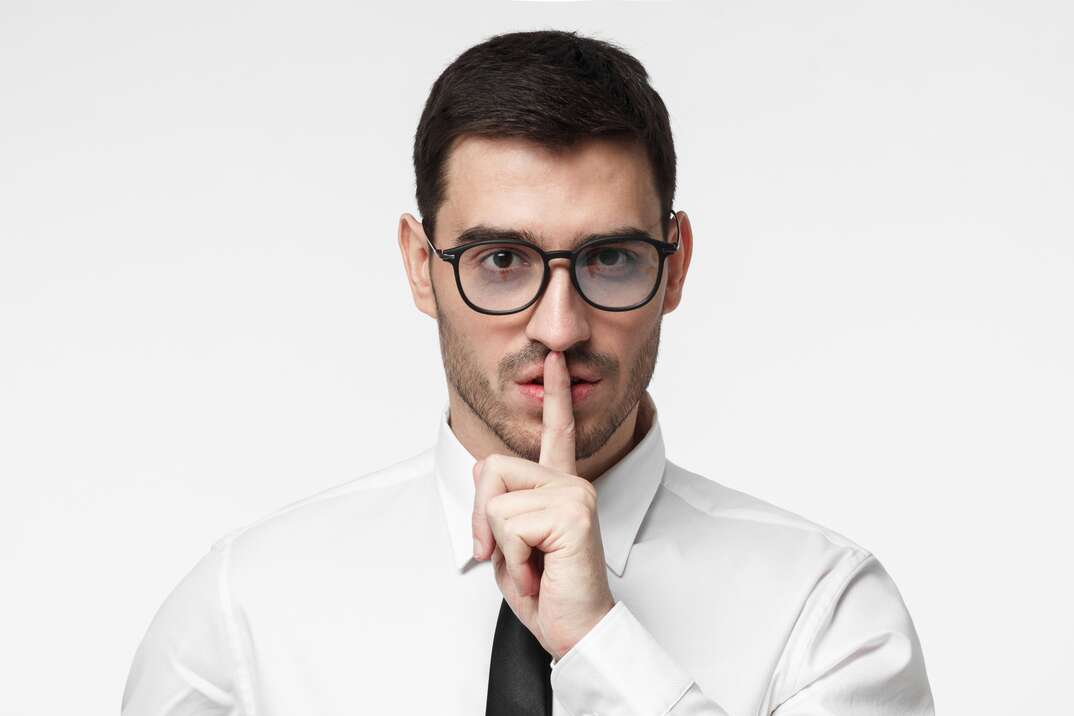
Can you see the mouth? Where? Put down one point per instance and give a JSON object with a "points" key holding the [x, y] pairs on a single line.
{"points": [[584, 382], [539, 380], [579, 374], [533, 390]]}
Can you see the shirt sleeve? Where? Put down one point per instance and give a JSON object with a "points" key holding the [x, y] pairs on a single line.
{"points": [[861, 654], [186, 663], [619, 669], [854, 652]]}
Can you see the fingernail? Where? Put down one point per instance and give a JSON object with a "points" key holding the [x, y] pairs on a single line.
{"points": [[477, 548]]}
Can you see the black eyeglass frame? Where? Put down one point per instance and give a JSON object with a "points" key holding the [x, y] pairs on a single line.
{"points": [[664, 249]]}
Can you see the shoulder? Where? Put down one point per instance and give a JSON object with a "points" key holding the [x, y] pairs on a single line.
{"points": [[779, 561], [723, 504], [740, 534], [340, 510]]}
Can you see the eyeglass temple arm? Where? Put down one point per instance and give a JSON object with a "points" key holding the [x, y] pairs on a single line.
{"points": [[428, 241], [678, 228]]}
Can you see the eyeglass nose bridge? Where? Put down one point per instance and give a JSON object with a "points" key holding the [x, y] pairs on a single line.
{"points": [[549, 256]]}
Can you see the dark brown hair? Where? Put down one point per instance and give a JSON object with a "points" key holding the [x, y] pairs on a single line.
{"points": [[550, 86]]}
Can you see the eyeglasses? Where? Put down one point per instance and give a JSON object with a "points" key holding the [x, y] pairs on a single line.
{"points": [[503, 275]]}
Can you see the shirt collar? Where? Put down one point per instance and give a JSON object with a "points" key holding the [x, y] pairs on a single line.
{"points": [[624, 491]]}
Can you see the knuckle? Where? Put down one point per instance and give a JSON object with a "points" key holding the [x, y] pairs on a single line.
{"points": [[492, 507], [513, 553], [583, 495], [577, 512], [587, 489]]}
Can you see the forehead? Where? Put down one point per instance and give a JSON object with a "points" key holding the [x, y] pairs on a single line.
{"points": [[515, 183]]}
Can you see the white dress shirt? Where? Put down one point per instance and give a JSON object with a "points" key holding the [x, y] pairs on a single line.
{"points": [[365, 599]]}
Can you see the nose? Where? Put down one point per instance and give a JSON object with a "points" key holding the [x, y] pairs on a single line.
{"points": [[560, 316]]}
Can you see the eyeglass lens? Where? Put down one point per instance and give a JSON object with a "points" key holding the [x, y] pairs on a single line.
{"points": [[504, 277]]}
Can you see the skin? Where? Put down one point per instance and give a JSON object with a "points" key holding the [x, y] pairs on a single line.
{"points": [[535, 505]]}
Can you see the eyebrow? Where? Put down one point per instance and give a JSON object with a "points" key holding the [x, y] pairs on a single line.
{"points": [[489, 233]]}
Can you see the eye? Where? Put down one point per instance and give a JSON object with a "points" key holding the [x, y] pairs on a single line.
{"points": [[502, 259], [610, 257], [602, 258]]}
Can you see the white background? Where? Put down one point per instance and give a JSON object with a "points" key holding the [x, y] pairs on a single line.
{"points": [[204, 315]]}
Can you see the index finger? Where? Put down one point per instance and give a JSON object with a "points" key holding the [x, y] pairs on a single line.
{"points": [[557, 433]]}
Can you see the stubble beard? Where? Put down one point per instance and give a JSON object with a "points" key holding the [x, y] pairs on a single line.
{"points": [[464, 374]]}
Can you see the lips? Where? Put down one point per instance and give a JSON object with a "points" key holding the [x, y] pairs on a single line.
{"points": [[578, 375], [539, 380], [580, 392]]}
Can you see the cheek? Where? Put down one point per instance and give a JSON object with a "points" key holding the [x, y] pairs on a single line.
{"points": [[490, 342], [622, 337]]}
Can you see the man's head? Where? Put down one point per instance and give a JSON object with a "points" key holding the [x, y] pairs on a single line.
{"points": [[560, 137]]}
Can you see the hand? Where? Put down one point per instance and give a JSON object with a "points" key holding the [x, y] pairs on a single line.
{"points": [[539, 522]]}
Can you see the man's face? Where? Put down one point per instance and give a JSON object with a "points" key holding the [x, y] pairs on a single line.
{"points": [[598, 186]]}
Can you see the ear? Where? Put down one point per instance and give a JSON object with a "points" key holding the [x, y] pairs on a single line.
{"points": [[417, 261], [678, 263]]}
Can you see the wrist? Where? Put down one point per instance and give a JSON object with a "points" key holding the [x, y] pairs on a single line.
{"points": [[598, 616]]}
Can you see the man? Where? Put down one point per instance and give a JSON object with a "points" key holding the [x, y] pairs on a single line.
{"points": [[543, 556]]}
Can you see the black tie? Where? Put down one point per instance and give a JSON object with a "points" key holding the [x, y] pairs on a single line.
{"points": [[520, 676]]}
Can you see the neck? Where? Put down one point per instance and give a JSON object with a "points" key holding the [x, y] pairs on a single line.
{"points": [[480, 442]]}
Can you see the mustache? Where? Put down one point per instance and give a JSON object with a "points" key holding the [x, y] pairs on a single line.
{"points": [[512, 365]]}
